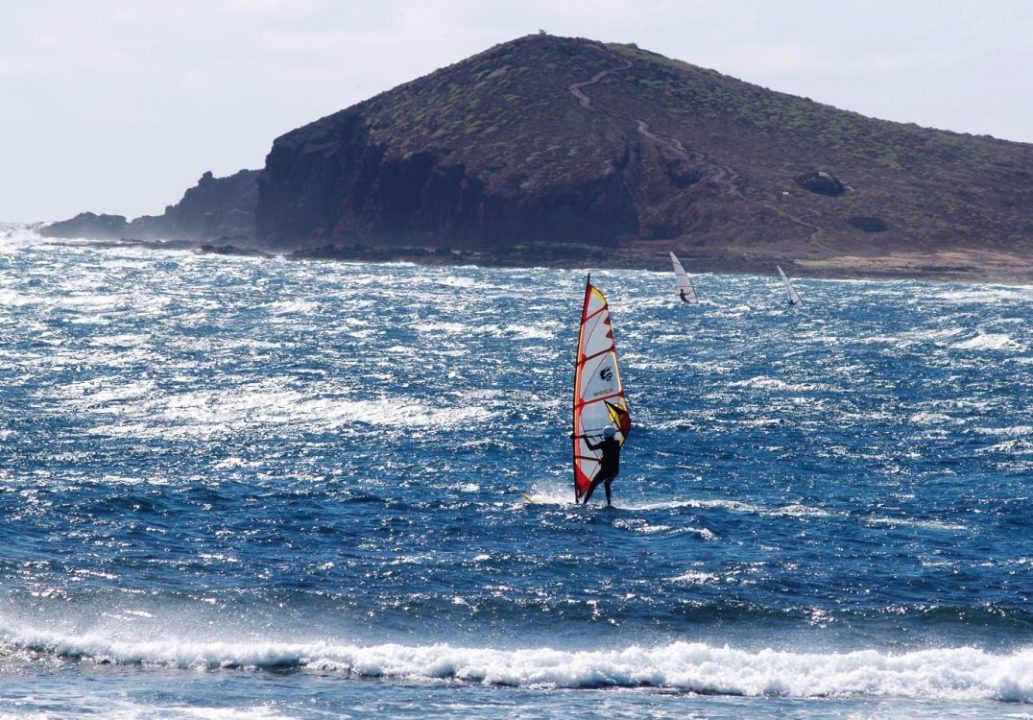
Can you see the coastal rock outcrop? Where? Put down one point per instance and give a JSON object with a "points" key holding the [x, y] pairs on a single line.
{"points": [[88, 225], [214, 209]]}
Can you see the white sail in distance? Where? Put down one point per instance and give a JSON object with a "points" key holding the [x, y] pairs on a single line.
{"points": [[686, 291], [792, 297]]}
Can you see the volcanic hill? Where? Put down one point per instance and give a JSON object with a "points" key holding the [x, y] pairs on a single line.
{"points": [[554, 150]]}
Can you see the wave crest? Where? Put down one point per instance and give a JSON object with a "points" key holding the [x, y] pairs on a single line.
{"points": [[947, 674]]}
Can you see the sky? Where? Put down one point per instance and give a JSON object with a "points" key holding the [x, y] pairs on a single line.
{"points": [[119, 106]]}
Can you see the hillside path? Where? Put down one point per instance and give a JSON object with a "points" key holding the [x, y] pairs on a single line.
{"points": [[722, 176], [575, 88]]}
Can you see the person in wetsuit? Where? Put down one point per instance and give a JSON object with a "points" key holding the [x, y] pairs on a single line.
{"points": [[609, 463]]}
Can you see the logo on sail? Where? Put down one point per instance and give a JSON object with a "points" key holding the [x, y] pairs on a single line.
{"points": [[606, 374]]}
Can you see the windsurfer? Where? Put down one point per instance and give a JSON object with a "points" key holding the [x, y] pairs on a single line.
{"points": [[609, 463]]}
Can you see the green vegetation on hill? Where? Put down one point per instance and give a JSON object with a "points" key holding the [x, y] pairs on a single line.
{"points": [[550, 141]]}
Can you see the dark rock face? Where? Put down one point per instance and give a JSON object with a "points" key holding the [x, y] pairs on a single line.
{"points": [[228, 249], [214, 209], [822, 183], [332, 183], [868, 224], [88, 225]]}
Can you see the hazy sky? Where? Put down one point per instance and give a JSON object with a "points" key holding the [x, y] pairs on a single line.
{"points": [[120, 105]]}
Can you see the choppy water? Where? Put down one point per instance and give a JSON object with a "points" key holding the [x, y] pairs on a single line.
{"points": [[239, 488]]}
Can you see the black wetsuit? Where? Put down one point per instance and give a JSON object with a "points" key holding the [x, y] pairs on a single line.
{"points": [[609, 466]]}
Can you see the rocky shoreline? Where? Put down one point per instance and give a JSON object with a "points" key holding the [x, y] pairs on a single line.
{"points": [[956, 265]]}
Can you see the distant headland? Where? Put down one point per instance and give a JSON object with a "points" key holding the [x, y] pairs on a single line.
{"points": [[570, 152]]}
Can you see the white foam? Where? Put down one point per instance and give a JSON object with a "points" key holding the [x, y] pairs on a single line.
{"points": [[292, 307], [989, 341], [912, 522], [121, 341], [439, 328], [761, 381], [454, 281], [987, 294], [961, 673], [551, 495], [546, 330], [212, 412], [929, 418], [1017, 446], [1017, 431], [798, 510], [641, 526], [89, 302], [721, 504], [14, 236], [124, 709], [258, 712], [696, 577], [13, 298]]}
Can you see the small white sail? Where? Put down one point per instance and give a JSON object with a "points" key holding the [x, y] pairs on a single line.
{"points": [[792, 297], [686, 292]]}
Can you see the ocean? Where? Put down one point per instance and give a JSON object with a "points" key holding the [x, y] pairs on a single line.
{"points": [[258, 488]]}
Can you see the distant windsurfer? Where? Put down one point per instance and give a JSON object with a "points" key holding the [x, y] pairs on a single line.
{"points": [[685, 298], [609, 463]]}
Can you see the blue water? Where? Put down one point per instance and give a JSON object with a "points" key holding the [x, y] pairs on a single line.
{"points": [[248, 488]]}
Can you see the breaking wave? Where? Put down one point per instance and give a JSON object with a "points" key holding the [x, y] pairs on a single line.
{"points": [[962, 673]]}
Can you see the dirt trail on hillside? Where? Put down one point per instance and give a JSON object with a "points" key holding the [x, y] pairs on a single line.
{"points": [[575, 88], [672, 145], [723, 177]]}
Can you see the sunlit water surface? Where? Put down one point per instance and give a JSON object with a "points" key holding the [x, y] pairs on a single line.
{"points": [[240, 488]]}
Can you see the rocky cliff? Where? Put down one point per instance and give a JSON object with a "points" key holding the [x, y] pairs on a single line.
{"points": [[551, 142], [216, 209]]}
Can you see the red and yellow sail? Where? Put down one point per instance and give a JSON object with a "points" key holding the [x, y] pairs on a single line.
{"points": [[599, 400]]}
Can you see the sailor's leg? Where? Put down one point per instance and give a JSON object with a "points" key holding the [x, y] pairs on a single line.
{"points": [[591, 489], [606, 487]]}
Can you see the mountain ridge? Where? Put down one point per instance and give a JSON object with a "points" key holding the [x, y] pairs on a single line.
{"points": [[566, 151]]}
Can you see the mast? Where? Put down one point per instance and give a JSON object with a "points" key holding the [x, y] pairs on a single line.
{"points": [[575, 440]]}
